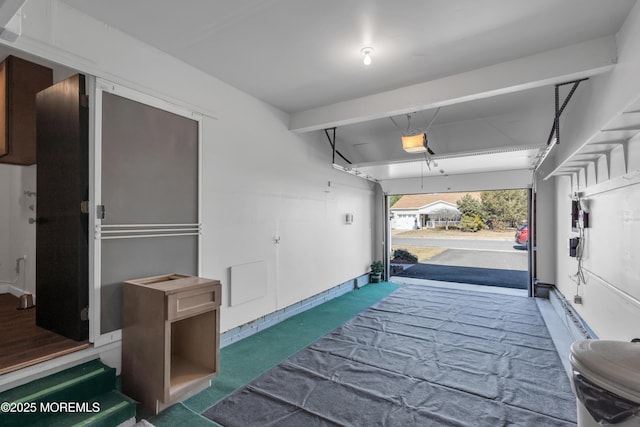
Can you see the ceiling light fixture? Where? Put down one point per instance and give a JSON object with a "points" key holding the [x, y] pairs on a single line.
{"points": [[367, 51]]}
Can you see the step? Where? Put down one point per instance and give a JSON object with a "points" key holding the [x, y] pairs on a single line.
{"points": [[90, 378], [77, 384], [105, 410], [111, 409]]}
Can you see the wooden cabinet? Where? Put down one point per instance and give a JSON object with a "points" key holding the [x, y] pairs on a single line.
{"points": [[170, 338], [20, 80]]}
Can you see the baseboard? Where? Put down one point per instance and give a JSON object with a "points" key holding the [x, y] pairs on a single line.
{"points": [[248, 329], [13, 290], [577, 327]]}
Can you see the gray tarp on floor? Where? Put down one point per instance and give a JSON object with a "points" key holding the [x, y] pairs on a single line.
{"points": [[424, 356]]}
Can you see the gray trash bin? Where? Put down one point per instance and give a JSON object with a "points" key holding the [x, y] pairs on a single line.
{"points": [[606, 381]]}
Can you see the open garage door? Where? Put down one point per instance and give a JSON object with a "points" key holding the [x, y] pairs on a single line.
{"points": [[477, 238]]}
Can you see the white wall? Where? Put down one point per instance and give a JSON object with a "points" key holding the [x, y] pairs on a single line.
{"points": [[6, 188], [260, 181], [17, 236], [611, 258], [611, 261], [546, 230]]}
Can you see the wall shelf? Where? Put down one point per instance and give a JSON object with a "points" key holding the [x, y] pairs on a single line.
{"points": [[617, 133]]}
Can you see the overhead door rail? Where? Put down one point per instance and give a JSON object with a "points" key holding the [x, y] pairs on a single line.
{"points": [[555, 128], [332, 141]]}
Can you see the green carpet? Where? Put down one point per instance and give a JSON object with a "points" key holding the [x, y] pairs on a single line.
{"points": [[179, 415], [88, 383], [243, 361]]}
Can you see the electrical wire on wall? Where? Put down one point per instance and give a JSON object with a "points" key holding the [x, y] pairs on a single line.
{"points": [[579, 277]]}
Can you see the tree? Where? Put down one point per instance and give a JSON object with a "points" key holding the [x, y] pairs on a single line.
{"points": [[468, 205], [504, 207], [471, 222], [394, 198], [445, 214]]}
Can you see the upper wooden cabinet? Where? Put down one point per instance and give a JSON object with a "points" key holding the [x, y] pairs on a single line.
{"points": [[20, 80]]}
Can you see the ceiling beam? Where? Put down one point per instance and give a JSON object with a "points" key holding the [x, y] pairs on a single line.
{"points": [[480, 181], [546, 68]]}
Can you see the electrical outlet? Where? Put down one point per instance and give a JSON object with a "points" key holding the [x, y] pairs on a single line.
{"points": [[577, 299]]}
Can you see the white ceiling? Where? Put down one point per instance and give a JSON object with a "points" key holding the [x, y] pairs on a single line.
{"points": [[490, 65]]}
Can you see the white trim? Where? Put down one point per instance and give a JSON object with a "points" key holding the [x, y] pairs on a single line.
{"points": [[136, 231], [95, 193], [107, 226], [158, 231], [199, 201], [141, 236], [108, 338], [7, 288], [578, 328], [134, 95], [95, 335], [631, 178], [50, 367]]}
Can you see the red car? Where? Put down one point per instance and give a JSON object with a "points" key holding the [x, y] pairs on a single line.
{"points": [[522, 234]]}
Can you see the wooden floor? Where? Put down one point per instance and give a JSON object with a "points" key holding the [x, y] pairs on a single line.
{"points": [[22, 343]]}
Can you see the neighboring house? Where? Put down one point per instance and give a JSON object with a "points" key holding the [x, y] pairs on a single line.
{"points": [[427, 210]]}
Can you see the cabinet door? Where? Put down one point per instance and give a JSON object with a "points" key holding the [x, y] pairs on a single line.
{"points": [[20, 81], [62, 288]]}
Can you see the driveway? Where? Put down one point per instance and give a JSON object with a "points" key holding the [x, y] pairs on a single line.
{"points": [[493, 245], [504, 260], [481, 262], [515, 279]]}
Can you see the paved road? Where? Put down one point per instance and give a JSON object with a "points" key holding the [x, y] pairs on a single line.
{"points": [[502, 260], [487, 245]]}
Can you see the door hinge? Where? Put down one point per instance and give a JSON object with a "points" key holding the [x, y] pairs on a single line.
{"points": [[84, 100], [84, 207], [84, 314], [101, 211]]}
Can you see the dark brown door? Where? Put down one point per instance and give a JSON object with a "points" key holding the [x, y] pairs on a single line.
{"points": [[62, 262]]}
